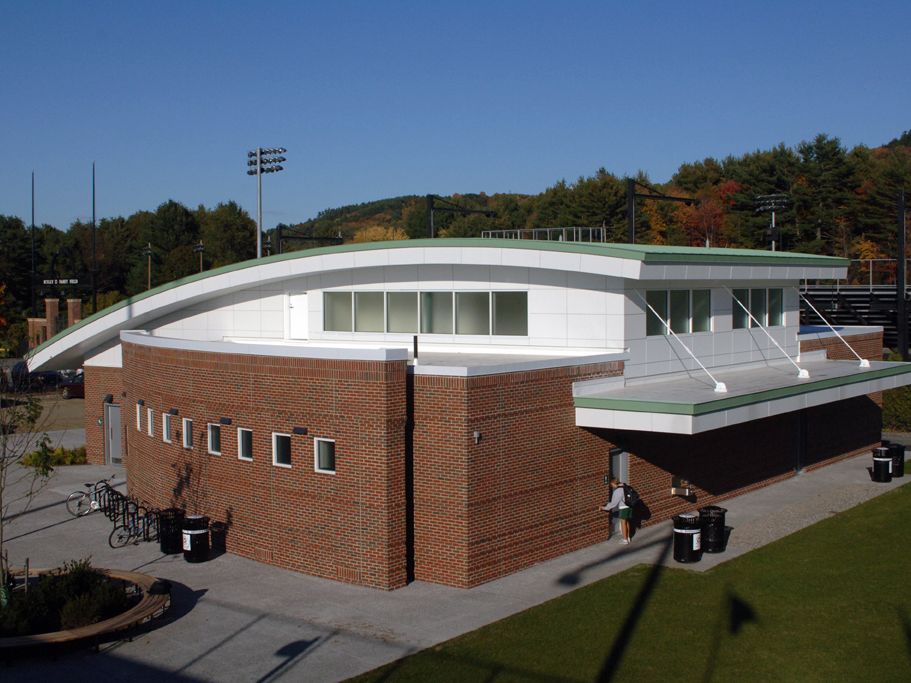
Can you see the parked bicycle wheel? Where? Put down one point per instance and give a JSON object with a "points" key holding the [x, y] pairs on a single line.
{"points": [[119, 537], [78, 503]]}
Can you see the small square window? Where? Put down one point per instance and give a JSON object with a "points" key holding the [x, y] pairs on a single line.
{"points": [[215, 439], [281, 449], [244, 443], [324, 455], [166, 427], [149, 418], [187, 433]]}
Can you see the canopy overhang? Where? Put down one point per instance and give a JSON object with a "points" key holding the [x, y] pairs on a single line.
{"points": [[685, 403]]}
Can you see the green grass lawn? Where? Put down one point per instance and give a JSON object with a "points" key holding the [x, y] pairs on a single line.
{"points": [[829, 603]]}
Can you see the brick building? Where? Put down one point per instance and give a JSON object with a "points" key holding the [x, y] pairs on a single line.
{"points": [[448, 410]]}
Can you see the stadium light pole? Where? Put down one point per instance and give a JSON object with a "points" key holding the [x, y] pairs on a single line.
{"points": [[263, 160]]}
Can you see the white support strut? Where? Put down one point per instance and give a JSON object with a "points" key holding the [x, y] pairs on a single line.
{"points": [[864, 363]]}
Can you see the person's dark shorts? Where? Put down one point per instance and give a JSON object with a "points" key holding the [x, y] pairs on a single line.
{"points": [[625, 513]]}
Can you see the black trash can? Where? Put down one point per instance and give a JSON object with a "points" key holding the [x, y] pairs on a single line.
{"points": [[897, 451], [711, 519], [687, 538], [170, 524], [882, 464], [196, 538]]}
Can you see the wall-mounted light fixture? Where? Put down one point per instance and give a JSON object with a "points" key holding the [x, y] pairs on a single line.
{"points": [[108, 398], [681, 487], [300, 430], [172, 411], [224, 420], [477, 437]]}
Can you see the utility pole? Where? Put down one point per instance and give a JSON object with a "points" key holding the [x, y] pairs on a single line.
{"points": [[94, 258], [900, 307], [653, 194], [199, 248], [449, 207], [148, 253], [773, 203], [34, 303]]}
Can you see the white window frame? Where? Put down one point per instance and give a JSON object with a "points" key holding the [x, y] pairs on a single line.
{"points": [[187, 425], [166, 427], [209, 427], [240, 441], [150, 418], [275, 435], [316, 467], [138, 417]]}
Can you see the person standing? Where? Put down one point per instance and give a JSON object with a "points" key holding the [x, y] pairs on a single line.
{"points": [[624, 512]]}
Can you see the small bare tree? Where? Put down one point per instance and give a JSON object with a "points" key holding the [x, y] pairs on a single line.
{"points": [[21, 433]]}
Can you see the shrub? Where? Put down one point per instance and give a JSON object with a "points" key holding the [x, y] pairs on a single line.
{"points": [[73, 596], [55, 458]]}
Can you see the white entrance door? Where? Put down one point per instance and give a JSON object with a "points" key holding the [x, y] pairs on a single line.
{"points": [[298, 316], [112, 434]]}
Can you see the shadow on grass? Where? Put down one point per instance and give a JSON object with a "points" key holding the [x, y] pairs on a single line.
{"points": [[626, 630], [736, 612]]}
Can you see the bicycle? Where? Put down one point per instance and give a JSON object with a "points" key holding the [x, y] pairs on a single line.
{"points": [[139, 524], [81, 503]]}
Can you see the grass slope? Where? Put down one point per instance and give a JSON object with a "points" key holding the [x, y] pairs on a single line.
{"points": [[829, 603]]}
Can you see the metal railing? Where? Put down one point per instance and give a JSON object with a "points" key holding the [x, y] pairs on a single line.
{"points": [[569, 234], [873, 273]]}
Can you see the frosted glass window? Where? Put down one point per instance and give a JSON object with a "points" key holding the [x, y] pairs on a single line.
{"points": [[472, 313], [680, 311], [436, 312], [337, 311], [657, 300], [324, 455], [166, 427], [281, 449], [510, 313], [740, 319], [776, 307], [215, 439], [402, 312], [187, 433], [368, 312], [758, 307], [702, 310], [244, 443]]}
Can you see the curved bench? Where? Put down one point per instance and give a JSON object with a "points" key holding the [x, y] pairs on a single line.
{"points": [[149, 606]]}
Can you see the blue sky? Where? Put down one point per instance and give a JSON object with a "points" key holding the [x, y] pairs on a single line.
{"points": [[377, 99]]}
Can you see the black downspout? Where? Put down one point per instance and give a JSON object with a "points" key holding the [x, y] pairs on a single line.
{"points": [[409, 475]]}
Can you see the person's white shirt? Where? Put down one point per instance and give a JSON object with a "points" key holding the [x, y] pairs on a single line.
{"points": [[617, 499]]}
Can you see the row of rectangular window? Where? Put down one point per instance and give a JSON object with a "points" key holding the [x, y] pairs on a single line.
{"points": [[685, 311], [479, 313], [765, 306], [323, 449], [682, 310]]}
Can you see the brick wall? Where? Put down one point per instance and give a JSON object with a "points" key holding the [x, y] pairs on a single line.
{"points": [[868, 345], [528, 491], [728, 462], [99, 382], [347, 526]]}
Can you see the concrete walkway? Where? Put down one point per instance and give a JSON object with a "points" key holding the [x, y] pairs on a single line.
{"points": [[237, 620]]}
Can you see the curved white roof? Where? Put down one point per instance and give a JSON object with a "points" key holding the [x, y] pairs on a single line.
{"points": [[633, 262]]}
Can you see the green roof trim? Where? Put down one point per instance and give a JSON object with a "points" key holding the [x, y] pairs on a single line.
{"points": [[704, 408], [650, 254]]}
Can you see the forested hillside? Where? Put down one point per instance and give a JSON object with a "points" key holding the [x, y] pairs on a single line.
{"points": [[839, 201]]}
